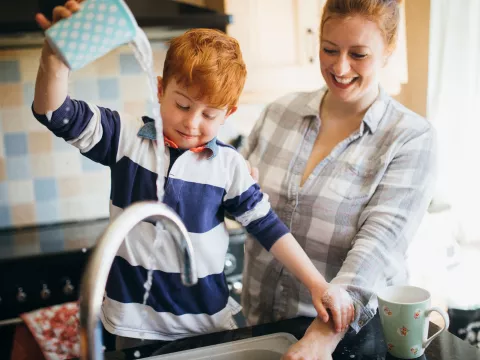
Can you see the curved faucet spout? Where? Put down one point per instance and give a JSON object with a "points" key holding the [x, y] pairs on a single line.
{"points": [[96, 273]]}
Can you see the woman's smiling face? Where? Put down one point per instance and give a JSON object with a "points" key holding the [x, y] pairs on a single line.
{"points": [[352, 53]]}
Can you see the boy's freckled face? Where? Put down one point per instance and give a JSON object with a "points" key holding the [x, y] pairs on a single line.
{"points": [[188, 121]]}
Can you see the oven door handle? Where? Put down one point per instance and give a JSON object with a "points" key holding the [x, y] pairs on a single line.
{"points": [[12, 321]]}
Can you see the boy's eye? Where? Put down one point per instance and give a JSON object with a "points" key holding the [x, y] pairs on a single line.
{"points": [[329, 51], [182, 107], [209, 116], [359, 56]]}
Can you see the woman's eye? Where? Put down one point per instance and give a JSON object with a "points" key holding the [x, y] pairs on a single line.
{"points": [[329, 51], [181, 107], [359, 56]]}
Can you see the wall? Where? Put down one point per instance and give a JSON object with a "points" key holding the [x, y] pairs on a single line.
{"points": [[414, 94], [42, 178]]}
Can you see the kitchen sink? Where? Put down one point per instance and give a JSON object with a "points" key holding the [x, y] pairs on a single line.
{"points": [[268, 347]]}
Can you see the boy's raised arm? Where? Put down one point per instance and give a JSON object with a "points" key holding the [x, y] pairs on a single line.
{"points": [[51, 86]]}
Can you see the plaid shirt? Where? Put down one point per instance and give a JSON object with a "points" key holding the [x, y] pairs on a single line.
{"points": [[355, 214]]}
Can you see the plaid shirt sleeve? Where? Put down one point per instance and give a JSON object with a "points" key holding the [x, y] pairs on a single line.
{"points": [[388, 223]]}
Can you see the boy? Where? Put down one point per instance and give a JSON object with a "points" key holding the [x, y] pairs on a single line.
{"points": [[203, 77]]}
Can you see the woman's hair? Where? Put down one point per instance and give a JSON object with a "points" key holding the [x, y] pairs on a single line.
{"points": [[209, 60], [386, 13]]}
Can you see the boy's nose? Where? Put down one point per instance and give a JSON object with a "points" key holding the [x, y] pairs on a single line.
{"points": [[192, 121]]}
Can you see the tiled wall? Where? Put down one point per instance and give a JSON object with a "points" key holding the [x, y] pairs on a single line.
{"points": [[42, 178]]}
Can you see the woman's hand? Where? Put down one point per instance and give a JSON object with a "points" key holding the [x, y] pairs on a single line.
{"points": [[336, 299], [319, 343], [253, 171]]}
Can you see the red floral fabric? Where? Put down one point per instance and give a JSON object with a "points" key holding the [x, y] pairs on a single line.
{"points": [[56, 330]]}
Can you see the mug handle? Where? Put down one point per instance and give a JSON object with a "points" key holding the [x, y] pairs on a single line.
{"points": [[446, 325]]}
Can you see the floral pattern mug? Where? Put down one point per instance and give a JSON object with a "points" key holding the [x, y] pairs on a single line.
{"points": [[404, 312]]}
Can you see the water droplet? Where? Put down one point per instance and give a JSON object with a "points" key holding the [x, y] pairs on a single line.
{"points": [[352, 356], [137, 354], [104, 348], [67, 108], [49, 114], [84, 250], [66, 121]]}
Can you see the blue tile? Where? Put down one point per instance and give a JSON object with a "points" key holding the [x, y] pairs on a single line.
{"points": [[28, 92], [108, 89], [5, 216], [3, 193], [9, 71], [47, 212], [91, 166], [60, 145], [45, 189], [15, 144], [129, 65], [18, 168], [86, 90], [52, 240]]}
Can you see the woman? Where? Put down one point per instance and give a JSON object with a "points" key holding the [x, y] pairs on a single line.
{"points": [[348, 169]]}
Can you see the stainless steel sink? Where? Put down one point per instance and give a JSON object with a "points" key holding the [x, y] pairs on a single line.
{"points": [[268, 347]]}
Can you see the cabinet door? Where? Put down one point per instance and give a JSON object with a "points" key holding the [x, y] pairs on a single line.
{"points": [[279, 41]]}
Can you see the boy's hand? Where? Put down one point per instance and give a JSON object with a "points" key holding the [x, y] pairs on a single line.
{"points": [[59, 13], [338, 301]]}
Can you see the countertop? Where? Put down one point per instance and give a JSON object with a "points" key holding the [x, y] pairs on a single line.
{"points": [[50, 239], [368, 344]]}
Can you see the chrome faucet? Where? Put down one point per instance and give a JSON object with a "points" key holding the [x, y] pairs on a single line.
{"points": [[98, 267]]}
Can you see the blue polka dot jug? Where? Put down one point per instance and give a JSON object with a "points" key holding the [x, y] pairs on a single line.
{"points": [[97, 28]]}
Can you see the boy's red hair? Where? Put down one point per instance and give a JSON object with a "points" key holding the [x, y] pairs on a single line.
{"points": [[210, 62]]}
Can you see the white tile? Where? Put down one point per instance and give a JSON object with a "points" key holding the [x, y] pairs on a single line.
{"points": [[84, 207], [134, 88], [20, 192], [96, 206], [67, 164], [16, 119], [96, 183], [42, 165], [71, 209]]}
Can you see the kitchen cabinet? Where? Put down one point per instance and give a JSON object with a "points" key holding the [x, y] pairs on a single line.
{"points": [[279, 41], [280, 44]]}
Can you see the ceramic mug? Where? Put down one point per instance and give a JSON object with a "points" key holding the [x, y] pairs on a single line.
{"points": [[97, 28], [404, 314]]}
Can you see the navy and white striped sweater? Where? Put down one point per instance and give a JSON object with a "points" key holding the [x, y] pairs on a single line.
{"points": [[200, 187]]}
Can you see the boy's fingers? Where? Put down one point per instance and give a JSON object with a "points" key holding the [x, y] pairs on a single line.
{"points": [[72, 5], [42, 21], [60, 12]]}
